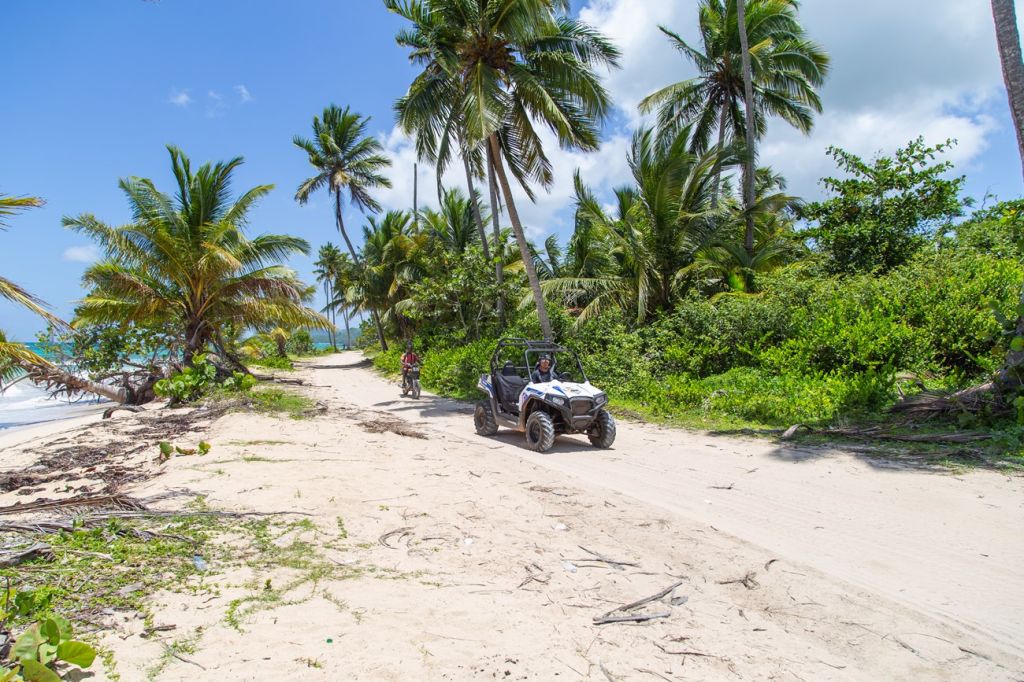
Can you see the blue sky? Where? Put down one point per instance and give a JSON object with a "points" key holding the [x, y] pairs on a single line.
{"points": [[98, 89]]}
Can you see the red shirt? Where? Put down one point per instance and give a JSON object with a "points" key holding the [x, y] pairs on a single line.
{"points": [[410, 359]]}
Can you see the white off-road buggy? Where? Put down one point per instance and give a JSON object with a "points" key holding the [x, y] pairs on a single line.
{"points": [[567, 404]]}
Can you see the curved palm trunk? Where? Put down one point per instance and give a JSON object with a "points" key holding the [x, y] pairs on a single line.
{"points": [[476, 207], [1010, 380], [348, 329], [52, 375], [524, 249], [359, 263], [748, 105], [1005, 16], [499, 265]]}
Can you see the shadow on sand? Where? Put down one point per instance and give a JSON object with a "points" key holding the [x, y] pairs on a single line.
{"points": [[879, 454]]}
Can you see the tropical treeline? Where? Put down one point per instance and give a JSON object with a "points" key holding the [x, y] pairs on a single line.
{"points": [[701, 287]]}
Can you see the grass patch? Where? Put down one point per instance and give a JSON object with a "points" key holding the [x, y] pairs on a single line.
{"points": [[269, 400]]}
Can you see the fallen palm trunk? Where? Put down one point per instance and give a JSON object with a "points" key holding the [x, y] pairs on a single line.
{"points": [[878, 434]]}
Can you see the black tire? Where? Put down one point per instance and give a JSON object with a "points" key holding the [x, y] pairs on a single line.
{"points": [[416, 389], [484, 420], [540, 432], [602, 433]]}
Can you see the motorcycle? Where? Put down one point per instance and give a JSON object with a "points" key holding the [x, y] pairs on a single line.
{"points": [[411, 381]]}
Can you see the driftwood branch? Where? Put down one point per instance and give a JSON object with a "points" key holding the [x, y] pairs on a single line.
{"points": [[603, 559], [610, 617], [14, 557], [109, 412]]}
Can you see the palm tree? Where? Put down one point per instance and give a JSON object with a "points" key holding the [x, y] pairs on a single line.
{"points": [[455, 226], [1011, 376], [750, 151], [392, 252], [728, 264], [787, 70], [327, 269], [346, 159], [1008, 37], [495, 69], [659, 227], [346, 277], [185, 262], [15, 356]]}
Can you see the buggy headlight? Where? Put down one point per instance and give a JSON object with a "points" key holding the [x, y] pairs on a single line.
{"points": [[556, 400], [600, 399]]}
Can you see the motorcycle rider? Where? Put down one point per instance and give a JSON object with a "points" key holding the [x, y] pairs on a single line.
{"points": [[545, 371], [408, 360]]}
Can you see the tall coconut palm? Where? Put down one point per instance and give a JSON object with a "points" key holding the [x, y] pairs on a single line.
{"points": [[655, 234], [185, 261], [750, 151], [787, 71], [1011, 376], [1008, 38], [393, 252], [497, 69], [346, 159], [346, 277], [455, 226], [327, 270]]}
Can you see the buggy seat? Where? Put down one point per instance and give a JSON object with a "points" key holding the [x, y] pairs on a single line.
{"points": [[510, 385]]}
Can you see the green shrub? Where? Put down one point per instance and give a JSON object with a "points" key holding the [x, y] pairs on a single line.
{"points": [[300, 343], [755, 395], [456, 371], [951, 298], [851, 325], [390, 361], [190, 383], [272, 362]]}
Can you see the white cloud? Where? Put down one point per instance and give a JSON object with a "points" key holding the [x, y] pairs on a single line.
{"points": [[82, 254], [899, 70], [216, 106], [603, 170], [180, 98], [243, 93]]}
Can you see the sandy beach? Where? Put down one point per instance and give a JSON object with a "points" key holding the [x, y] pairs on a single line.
{"points": [[474, 558]]}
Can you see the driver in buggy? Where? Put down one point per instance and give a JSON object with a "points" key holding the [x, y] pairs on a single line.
{"points": [[545, 371]]}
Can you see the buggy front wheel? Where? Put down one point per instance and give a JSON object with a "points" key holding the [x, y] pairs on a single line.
{"points": [[602, 433], [540, 432]]}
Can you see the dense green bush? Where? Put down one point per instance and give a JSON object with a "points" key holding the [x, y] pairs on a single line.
{"points": [[200, 379], [755, 395], [456, 371], [810, 348], [389, 361], [300, 343]]}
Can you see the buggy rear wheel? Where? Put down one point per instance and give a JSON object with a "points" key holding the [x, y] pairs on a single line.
{"points": [[483, 419], [602, 433], [540, 431]]}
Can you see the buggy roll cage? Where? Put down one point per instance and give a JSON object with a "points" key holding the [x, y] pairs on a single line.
{"points": [[536, 348]]}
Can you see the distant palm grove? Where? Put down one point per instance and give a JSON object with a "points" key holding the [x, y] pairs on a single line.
{"points": [[701, 290]]}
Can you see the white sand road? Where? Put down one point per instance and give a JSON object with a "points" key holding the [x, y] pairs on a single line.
{"points": [[858, 569], [949, 546]]}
